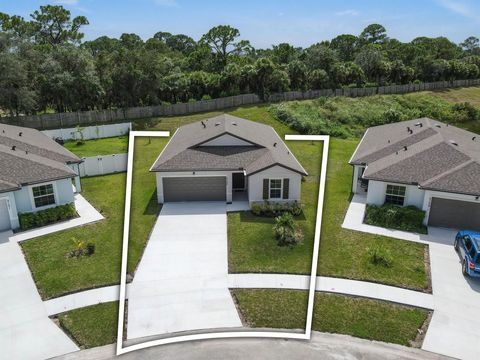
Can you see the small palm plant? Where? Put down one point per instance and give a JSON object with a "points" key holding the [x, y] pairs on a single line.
{"points": [[284, 228]]}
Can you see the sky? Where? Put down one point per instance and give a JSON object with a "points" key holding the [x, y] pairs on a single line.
{"points": [[269, 22]]}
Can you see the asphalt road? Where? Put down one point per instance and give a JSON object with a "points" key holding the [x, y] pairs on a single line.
{"points": [[321, 346]]}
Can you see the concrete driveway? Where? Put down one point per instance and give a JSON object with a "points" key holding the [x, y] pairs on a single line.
{"points": [[454, 329], [181, 282], [26, 332]]}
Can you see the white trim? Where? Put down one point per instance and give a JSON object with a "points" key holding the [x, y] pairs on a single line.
{"points": [[32, 199], [163, 134], [233, 334], [361, 140], [9, 209], [398, 185], [269, 189]]}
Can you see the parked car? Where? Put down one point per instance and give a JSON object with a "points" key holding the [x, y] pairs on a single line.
{"points": [[467, 244]]}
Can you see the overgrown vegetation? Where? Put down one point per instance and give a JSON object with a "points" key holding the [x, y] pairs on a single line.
{"points": [[46, 67], [360, 317], [349, 117], [48, 216], [408, 218]]}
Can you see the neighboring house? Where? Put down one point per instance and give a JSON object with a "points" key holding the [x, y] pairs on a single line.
{"points": [[225, 157], [425, 163], [36, 173]]}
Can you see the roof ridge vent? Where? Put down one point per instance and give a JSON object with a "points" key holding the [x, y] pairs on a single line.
{"points": [[203, 124], [473, 138], [274, 144], [13, 148], [419, 124], [20, 133], [453, 142], [405, 148], [234, 123], [217, 124], [438, 126]]}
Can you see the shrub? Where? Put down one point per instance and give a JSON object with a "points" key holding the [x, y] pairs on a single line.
{"points": [[286, 233], [408, 218], [48, 216], [81, 248], [272, 209], [380, 256]]}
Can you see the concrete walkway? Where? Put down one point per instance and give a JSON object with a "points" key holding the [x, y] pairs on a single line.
{"points": [[26, 332], [453, 330], [82, 299], [181, 281], [333, 285], [87, 214]]}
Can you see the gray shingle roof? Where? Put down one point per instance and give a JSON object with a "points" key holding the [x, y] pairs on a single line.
{"points": [[182, 153], [35, 158], [431, 155]]}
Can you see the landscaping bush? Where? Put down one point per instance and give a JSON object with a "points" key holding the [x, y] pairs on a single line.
{"points": [[48, 216], [272, 209], [286, 233], [81, 248], [408, 218], [380, 256]]}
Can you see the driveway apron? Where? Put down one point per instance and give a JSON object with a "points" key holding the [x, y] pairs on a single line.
{"points": [[181, 283]]}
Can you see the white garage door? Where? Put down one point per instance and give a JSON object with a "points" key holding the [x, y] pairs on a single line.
{"points": [[4, 216]]}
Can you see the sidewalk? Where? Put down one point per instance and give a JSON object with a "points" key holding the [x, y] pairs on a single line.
{"points": [[334, 285]]}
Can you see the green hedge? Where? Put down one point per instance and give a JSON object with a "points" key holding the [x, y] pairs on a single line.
{"points": [[48, 216], [273, 209], [408, 218]]}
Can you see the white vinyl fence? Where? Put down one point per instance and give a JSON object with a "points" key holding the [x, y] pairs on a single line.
{"points": [[90, 132], [103, 164]]}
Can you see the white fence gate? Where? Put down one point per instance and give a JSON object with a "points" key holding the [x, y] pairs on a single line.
{"points": [[90, 132], [103, 164]]}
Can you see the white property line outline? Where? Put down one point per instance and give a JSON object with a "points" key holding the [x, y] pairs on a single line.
{"points": [[227, 334]]}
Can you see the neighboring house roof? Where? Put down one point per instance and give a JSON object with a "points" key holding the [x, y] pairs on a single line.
{"points": [[422, 152], [184, 153], [27, 156]]}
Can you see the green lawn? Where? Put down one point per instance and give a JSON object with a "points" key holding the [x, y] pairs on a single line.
{"points": [[93, 325], [106, 146], [360, 317], [54, 272]]}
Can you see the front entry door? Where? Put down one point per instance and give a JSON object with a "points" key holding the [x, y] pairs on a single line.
{"points": [[238, 181]]}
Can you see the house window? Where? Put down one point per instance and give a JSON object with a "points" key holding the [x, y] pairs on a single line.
{"points": [[43, 195], [395, 195], [275, 188]]}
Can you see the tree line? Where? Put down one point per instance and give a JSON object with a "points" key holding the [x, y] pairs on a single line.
{"points": [[45, 65]]}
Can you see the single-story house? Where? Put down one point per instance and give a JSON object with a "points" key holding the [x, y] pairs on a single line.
{"points": [[424, 163], [223, 157], [36, 173]]}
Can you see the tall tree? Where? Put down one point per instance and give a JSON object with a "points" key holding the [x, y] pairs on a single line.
{"points": [[222, 40], [346, 46], [53, 25], [374, 34]]}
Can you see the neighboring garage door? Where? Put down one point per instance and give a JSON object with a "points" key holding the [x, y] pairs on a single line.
{"points": [[4, 216], [201, 188], [454, 214]]}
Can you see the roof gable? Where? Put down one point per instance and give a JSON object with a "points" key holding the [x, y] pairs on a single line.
{"points": [[262, 136]]}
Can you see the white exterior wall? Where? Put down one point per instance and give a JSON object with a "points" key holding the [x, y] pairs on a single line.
{"points": [[9, 197], [161, 175], [255, 183], [356, 170], [227, 140], [443, 195], [377, 189]]}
